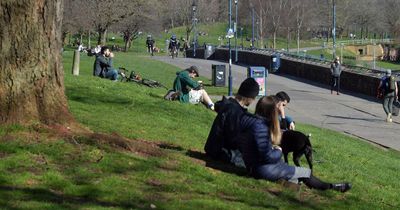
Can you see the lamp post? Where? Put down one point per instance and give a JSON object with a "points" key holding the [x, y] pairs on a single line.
{"points": [[241, 37], [230, 50], [194, 7], [341, 52], [235, 28], [252, 28], [334, 29], [374, 56]]}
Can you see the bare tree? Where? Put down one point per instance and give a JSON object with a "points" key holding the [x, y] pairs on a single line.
{"points": [[275, 9], [391, 16], [130, 26], [31, 74], [104, 13]]}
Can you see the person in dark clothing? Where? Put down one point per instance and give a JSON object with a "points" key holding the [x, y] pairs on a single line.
{"points": [[150, 44], [262, 156], [389, 93], [221, 139], [336, 70], [103, 65]]}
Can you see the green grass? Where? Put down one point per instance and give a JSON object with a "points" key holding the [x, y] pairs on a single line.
{"points": [[213, 33], [40, 170]]}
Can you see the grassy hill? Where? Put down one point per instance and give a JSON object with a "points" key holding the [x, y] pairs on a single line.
{"points": [[142, 152]]}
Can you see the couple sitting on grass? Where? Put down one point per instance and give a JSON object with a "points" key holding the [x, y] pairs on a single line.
{"points": [[238, 136]]}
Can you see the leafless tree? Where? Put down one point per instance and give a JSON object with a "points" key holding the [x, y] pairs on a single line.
{"points": [[274, 11], [391, 15]]}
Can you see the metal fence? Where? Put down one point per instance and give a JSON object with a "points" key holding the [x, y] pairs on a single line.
{"points": [[317, 60]]}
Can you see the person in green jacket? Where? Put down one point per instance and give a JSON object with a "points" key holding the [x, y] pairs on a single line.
{"points": [[191, 91]]}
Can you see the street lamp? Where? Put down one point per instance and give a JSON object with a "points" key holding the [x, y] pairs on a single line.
{"points": [[194, 7], [235, 28], [229, 36], [252, 26], [334, 28], [374, 56], [341, 52]]}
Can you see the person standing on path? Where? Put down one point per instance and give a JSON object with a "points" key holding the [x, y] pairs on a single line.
{"points": [[388, 85], [336, 70]]}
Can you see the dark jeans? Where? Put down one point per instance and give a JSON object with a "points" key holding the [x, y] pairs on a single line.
{"points": [[335, 83], [388, 102]]}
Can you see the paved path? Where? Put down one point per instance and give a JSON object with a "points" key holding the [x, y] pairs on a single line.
{"points": [[313, 104]]}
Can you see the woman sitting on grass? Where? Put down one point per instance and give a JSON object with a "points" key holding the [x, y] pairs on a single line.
{"points": [[263, 156]]}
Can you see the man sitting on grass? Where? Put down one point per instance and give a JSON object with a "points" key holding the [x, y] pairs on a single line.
{"points": [[190, 91], [221, 142], [103, 65]]}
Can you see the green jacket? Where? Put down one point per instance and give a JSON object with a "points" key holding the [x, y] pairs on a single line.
{"points": [[183, 83]]}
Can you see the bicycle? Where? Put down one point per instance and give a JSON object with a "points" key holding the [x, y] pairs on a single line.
{"points": [[133, 77]]}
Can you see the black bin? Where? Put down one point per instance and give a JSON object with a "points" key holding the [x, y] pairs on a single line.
{"points": [[218, 75]]}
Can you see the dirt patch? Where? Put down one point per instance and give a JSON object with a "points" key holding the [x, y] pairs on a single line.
{"points": [[154, 182]]}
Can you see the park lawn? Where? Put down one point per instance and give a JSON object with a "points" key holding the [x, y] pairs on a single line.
{"points": [[164, 165], [211, 34]]}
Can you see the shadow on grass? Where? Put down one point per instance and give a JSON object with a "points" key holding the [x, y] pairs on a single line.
{"points": [[92, 97], [46, 196], [216, 164]]}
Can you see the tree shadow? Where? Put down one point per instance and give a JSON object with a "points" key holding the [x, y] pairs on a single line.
{"points": [[44, 195]]}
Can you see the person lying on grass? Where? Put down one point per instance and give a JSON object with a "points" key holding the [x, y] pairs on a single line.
{"points": [[262, 156], [189, 90]]}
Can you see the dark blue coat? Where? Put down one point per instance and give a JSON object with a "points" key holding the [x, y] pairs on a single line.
{"points": [[260, 158]]}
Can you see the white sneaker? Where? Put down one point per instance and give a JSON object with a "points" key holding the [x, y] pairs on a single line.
{"points": [[389, 118]]}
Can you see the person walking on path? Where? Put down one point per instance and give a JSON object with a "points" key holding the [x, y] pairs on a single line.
{"points": [[336, 70], [189, 90], [388, 85]]}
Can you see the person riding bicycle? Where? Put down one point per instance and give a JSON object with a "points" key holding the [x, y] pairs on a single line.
{"points": [[150, 44]]}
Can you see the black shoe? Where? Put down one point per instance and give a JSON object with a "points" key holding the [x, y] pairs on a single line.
{"points": [[341, 187]]}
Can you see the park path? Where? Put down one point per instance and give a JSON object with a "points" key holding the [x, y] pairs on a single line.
{"points": [[313, 104]]}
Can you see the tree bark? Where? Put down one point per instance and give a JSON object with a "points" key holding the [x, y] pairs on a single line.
{"points": [[127, 42], [31, 74], [102, 36]]}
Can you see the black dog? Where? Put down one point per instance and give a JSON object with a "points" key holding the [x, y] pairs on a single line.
{"points": [[299, 144]]}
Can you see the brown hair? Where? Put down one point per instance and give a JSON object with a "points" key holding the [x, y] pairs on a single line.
{"points": [[266, 107]]}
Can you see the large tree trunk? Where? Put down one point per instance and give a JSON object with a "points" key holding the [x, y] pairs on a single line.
{"points": [[31, 74], [127, 42], [102, 36]]}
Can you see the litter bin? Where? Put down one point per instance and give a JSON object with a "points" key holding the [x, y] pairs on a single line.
{"points": [[218, 75], [275, 62], [208, 51], [260, 74]]}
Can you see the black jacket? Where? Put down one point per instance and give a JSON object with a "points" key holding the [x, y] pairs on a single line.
{"points": [[225, 128], [102, 65]]}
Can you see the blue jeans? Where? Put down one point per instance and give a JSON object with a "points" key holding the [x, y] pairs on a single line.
{"points": [[112, 74]]}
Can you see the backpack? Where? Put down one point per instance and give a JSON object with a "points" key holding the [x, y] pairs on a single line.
{"points": [[389, 84], [392, 83]]}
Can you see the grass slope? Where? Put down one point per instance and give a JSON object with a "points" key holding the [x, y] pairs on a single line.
{"points": [[153, 156]]}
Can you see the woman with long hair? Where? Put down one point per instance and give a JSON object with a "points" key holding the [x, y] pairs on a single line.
{"points": [[259, 145]]}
